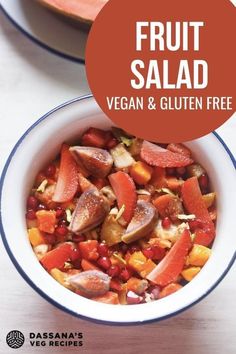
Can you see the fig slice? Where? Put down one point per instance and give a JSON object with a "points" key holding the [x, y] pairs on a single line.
{"points": [[143, 221], [90, 283], [90, 211], [97, 161]]}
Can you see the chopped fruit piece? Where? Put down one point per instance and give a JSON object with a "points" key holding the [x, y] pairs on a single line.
{"points": [[199, 255], [209, 199], [189, 273], [109, 298], [111, 231], [57, 257], [179, 149], [125, 191], [142, 223], [91, 283], [193, 202], [169, 289], [116, 285], [174, 184], [137, 261], [90, 211], [95, 137], [122, 158], [88, 250], [172, 264], [67, 182], [46, 220], [169, 205], [86, 265], [147, 268], [158, 179], [155, 155], [98, 162], [36, 237], [139, 286], [141, 172]]}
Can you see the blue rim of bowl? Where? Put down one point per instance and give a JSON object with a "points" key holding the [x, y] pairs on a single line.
{"points": [[40, 43], [44, 295]]}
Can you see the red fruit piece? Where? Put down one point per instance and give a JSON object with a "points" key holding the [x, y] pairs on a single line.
{"points": [[95, 137], [88, 250], [155, 155], [179, 149], [67, 182], [193, 202], [168, 205], [172, 264], [125, 191], [57, 257]]}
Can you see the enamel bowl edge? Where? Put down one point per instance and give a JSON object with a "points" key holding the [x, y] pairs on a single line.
{"points": [[40, 144]]}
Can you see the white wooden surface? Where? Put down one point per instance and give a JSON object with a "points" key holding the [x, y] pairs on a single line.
{"points": [[32, 82]]}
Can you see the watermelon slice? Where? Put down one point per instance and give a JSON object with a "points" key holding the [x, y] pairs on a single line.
{"points": [[155, 155]]}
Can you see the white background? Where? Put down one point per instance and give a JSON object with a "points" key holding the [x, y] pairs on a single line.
{"points": [[32, 81]]}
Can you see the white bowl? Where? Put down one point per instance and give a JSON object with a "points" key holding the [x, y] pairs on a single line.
{"points": [[40, 144]]}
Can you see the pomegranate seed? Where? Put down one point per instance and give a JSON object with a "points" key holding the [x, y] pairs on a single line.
{"points": [[132, 298], [50, 171], [32, 203], [203, 181], [170, 171], [60, 212], [50, 238], [75, 254], [180, 171], [42, 207], [134, 248], [61, 230], [104, 262], [30, 215], [148, 252], [114, 271], [103, 249], [166, 223], [126, 274], [155, 293]]}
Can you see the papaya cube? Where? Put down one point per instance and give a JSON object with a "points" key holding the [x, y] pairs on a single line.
{"points": [[199, 255], [137, 261], [36, 237], [189, 273]]}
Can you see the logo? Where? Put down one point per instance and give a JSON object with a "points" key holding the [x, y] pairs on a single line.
{"points": [[15, 339]]}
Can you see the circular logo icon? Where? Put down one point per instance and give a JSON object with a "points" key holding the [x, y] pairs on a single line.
{"points": [[15, 339]]}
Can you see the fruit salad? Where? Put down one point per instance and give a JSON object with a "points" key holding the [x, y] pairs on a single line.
{"points": [[121, 220]]}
